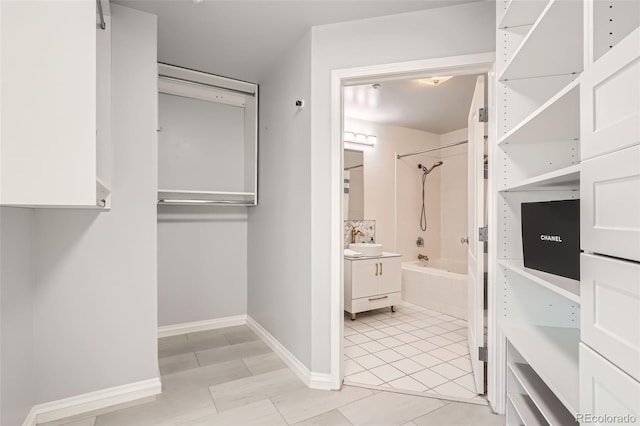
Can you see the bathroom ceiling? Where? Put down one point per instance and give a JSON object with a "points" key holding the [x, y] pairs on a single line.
{"points": [[241, 39], [409, 103]]}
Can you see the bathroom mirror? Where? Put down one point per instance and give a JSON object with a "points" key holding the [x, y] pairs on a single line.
{"points": [[354, 174]]}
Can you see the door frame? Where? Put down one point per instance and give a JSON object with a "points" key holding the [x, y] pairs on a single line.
{"points": [[453, 65]]}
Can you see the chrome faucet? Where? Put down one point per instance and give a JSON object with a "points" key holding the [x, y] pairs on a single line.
{"points": [[423, 257], [354, 233]]}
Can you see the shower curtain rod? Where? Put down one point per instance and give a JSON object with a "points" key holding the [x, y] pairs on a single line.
{"points": [[353, 167], [432, 149]]}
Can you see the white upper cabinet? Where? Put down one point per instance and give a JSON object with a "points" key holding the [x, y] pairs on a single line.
{"points": [[55, 117]]}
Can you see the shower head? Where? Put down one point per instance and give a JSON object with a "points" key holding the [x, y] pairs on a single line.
{"points": [[428, 170]]}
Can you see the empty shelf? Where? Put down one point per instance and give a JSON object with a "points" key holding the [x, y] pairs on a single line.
{"points": [[557, 34], [521, 12], [552, 352], [567, 178], [549, 409], [527, 410], [565, 287], [558, 119]]}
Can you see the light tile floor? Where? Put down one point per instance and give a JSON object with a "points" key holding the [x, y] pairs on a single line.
{"points": [[229, 377], [414, 349]]}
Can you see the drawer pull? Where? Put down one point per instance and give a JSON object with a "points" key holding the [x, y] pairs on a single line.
{"points": [[376, 269], [377, 298]]}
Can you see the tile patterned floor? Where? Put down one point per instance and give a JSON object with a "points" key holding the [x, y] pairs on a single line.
{"points": [[414, 349], [230, 377]]}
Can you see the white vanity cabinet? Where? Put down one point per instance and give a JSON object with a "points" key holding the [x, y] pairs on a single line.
{"points": [[371, 283], [56, 71]]}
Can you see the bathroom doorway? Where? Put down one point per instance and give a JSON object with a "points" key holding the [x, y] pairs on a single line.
{"points": [[408, 195]]}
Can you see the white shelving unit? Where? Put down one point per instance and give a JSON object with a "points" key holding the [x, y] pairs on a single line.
{"points": [[552, 354], [563, 89], [207, 154], [567, 178], [557, 120], [565, 287], [545, 410], [537, 159], [558, 33], [521, 13]]}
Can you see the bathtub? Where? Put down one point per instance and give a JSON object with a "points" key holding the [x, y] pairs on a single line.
{"points": [[437, 284]]}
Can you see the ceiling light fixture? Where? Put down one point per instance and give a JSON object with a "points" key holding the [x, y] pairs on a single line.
{"points": [[359, 138], [434, 81], [197, 1]]}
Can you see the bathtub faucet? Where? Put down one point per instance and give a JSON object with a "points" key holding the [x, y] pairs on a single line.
{"points": [[423, 257]]}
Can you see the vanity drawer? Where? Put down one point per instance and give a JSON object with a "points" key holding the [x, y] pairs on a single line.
{"points": [[610, 296], [610, 204], [373, 302], [605, 389]]}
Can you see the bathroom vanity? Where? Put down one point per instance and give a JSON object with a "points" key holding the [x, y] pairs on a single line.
{"points": [[371, 282]]}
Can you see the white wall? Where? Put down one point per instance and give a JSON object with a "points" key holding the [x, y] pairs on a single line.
{"points": [[95, 302], [202, 250], [279, 254], [454, 197], [194, 133], [393, 187], [202, 263], [16, 315], [456, 30]]}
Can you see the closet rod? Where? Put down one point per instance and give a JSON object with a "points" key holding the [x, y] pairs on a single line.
{"points": [[206, 202], [103, 25], [432, 149], [353, 167]]}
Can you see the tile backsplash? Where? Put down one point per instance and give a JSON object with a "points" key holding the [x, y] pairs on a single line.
{"points": [[367, 230]]}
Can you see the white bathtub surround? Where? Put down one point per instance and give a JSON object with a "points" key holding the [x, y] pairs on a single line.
{"points": [[436, 284], [453, 198], [414, 349]]}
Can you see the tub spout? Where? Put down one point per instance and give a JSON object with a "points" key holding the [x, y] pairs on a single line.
{"points": [[423, 257]]}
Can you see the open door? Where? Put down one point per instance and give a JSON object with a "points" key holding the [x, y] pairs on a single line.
{"points": [[475, 254]]}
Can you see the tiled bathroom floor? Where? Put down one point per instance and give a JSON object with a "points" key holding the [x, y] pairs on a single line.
{"points": [[413, 349]]}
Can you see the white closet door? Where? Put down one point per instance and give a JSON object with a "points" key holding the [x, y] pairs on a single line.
{"points": [[475, 254], [610, 105], [605, 390], [610, 204], [611, 308]]}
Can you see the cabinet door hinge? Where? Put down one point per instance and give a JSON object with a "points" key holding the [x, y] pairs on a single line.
{"points": [[483, 115], [482, 353], [483, 234]]}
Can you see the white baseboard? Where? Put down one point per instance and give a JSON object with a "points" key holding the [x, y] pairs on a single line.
{"points": [[312, 380], [30, 420], [91, 401], [195, 326]]}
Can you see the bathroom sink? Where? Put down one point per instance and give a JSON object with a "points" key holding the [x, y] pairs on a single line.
{"points": [[367, 249]]}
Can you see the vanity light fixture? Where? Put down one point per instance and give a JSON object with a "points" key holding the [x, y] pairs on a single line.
{"points": [[434, 81], [359, 138]]}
